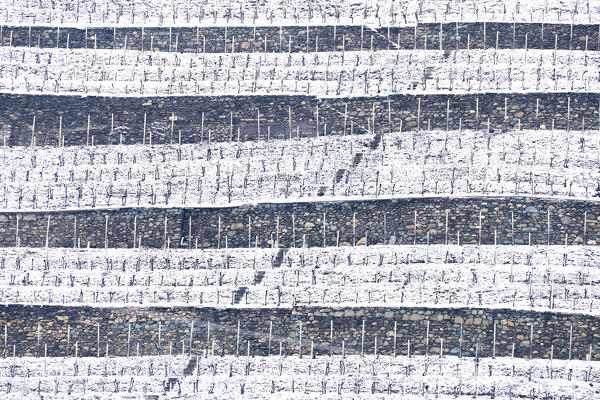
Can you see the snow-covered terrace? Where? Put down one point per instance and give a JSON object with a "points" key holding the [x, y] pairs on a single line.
{"points": [[515, 277], [327, 74], [296, 12], [231, 377], [411, 164]]}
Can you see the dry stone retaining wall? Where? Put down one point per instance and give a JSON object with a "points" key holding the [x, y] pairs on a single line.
{"points": [[294, 38], [525, 217], [62, 327], [111, 117]]}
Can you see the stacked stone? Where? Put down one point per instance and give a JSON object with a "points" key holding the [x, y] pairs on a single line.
{"points": [[320, 38], [222, 115], [142, 325], [501, 220]]}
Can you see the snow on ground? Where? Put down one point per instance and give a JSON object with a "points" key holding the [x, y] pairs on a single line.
{"points": [[517, 277], [409, 164], [329, 377], [327, 74], [296, 12]]}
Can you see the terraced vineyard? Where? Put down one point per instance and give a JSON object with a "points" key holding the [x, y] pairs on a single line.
{"points": [[389, 199]]}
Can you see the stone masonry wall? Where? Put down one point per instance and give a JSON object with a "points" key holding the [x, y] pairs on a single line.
{"points": [[377, 221], [111, 117], [294, 39], [69, 229], [411, 324]]}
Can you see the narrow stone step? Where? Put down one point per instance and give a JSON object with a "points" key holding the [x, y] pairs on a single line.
{"points": [[357, 159], [375, 142], [239, 294], [339, 175], [171, 384], [277, 263], [258, 277], [191, 366]]}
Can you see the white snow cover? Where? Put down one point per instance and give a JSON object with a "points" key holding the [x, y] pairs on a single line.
{"points": [[324, 377], [277, 12], [405, 164], [327, 74], [517, 277]]}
